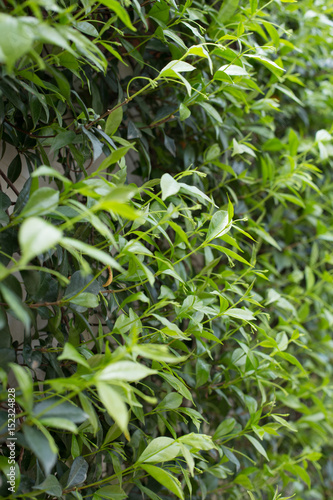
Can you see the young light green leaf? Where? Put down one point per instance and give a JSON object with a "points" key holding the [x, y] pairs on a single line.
{"points": [[199, 50], [198, 441], [45, 171], [41, 202], [160, 449], [184, 112], [169, 186], [114, 405], [271, 65], [36, 237], [231, 70], [194, 191], [218, 226], [125, 370], [238, 313], [157, 352]]}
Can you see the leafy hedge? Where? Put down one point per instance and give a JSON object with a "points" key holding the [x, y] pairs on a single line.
{"points": [[175, 332]]}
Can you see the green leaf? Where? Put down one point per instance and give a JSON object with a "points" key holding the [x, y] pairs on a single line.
{"points": [[218, 226], [195, 192], [291, 359], [227, 10], [4, 205], [16, 305], [120, 11], [231, 254], [89, 410], [41, 202], [134, 297], [53, 408], [271, 65], [23, 376], [36, 237], [78, 472], [45, 171], [160, 449], [110, 493], [59, 423], [14, 168], [170, 329], [51, 486], [239, 149], [254, 6], [169, 186], [173, 70], [211, 111], [72, 354], [230, 70], [114, 405], [238, 313], [62, 139], [150, 494], [177, 384], [202, 370], [184, 113], [176, 67], [113, 158], [258, 446], [16, 39], [93, 252], [198, 441], [199, 50], [266, 237], [172, 401], [40, 446], [86, 299], [299, 472], [224, 428], [165, 479], [157, 352], [113, 121], [125, 370]]}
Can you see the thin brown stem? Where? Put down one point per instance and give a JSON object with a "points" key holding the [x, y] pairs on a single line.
{"points": [[9, 182], [30, 134]]}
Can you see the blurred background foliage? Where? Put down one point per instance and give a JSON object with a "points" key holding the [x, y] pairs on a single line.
{"points": [[166, 268]]}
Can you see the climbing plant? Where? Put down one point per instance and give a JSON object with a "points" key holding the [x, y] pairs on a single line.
{"points": [[165, 271]]}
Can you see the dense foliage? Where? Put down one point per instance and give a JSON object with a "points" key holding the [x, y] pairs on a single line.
{"points": [[168, 259]]}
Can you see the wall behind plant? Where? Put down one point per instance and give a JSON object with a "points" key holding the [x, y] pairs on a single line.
{"points": [[177, 330]]}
